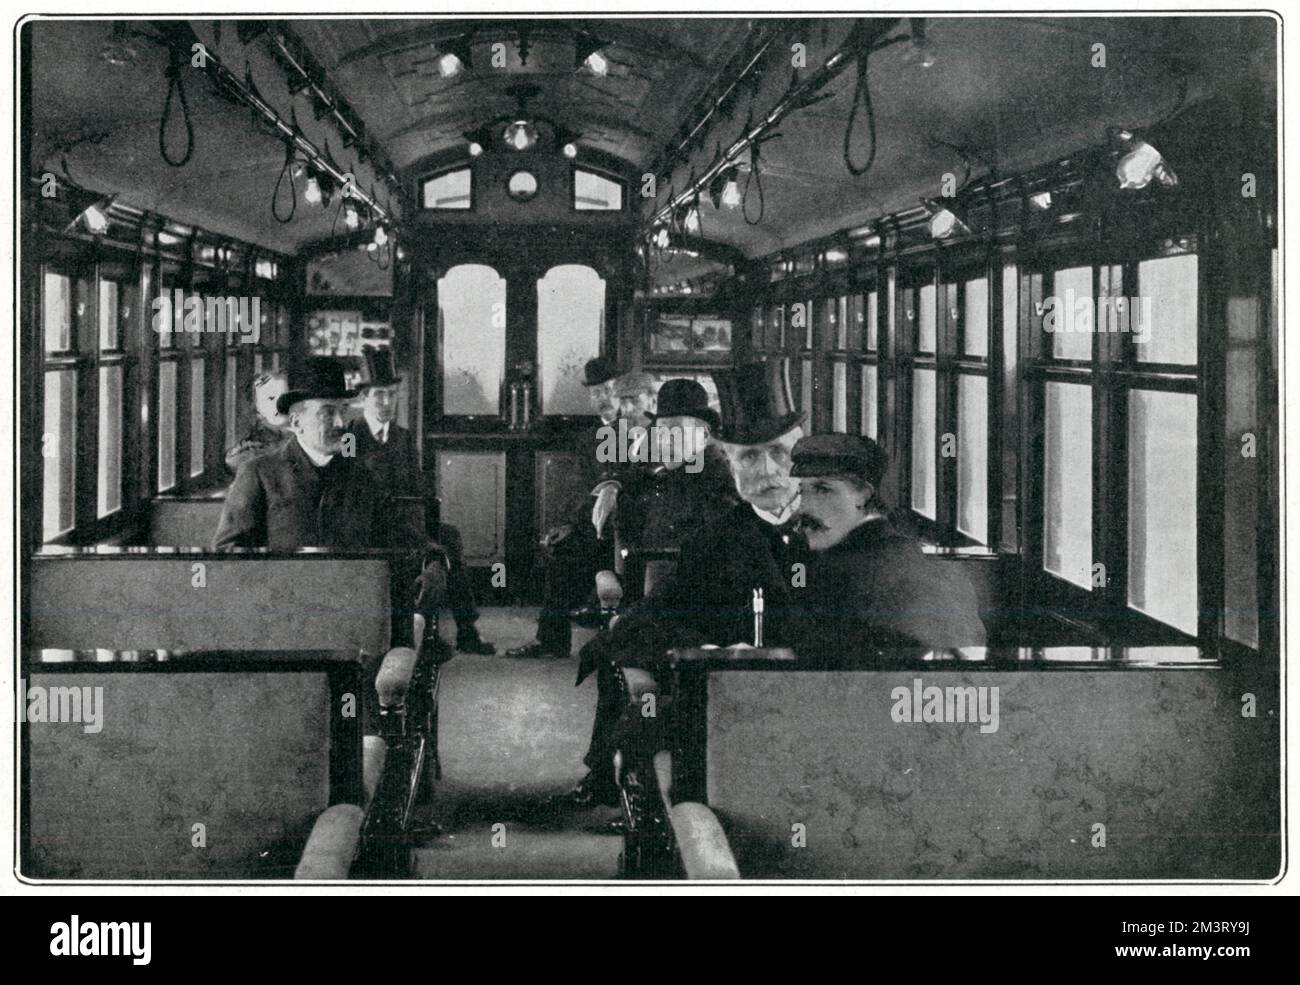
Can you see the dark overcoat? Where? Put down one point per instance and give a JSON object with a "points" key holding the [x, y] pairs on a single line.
{"points": [[394, 464]]}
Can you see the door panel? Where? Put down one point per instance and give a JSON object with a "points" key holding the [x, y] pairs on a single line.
{"points": [[472, 486]]}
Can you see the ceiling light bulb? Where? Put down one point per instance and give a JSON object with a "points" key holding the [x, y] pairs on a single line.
{"points": [[570, 151], [1142, 163], [520, 135], [661, 238], [692, 222], [1041, 200], [312, 192], [731, 192], [96, 221], [475, 148], [381, 236], [449, 64], [598, 63], [351, 218]]}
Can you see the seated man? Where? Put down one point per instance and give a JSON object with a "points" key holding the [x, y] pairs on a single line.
{"points": [[269, 428], [753, 545], [585, 547], [387, 450], [869, 586]]}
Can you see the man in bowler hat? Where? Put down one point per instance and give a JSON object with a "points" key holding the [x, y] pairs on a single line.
{"points": [[388, 451]]}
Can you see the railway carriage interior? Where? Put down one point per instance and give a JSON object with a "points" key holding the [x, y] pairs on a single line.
{"points": [[1033, 260]]}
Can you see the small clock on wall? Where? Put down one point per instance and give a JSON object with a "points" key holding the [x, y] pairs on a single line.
{"points": [[522, 186]]}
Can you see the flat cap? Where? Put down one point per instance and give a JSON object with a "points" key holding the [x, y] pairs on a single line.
{"points": [[839, 454], [630, 384]]}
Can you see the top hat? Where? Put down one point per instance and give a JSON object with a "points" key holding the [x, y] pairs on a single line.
{"points": [[379, 368], [600, 370], [839, 454], [685, 398], [319, 378], [756, 403]]}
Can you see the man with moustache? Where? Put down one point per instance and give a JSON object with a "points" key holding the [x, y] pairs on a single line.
{"points": [[869, 586], [708, 599], [387, 450]]}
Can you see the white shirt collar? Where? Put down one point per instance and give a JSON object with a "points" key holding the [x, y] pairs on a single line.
{"points": [[320, 461], [776, 519], [379, 431]]}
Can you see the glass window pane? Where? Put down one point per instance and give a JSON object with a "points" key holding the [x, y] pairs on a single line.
{"points": [[806, 391], [925, 319], [1010, 405], [1162, 506], [839, 315], [57, 302], [923, 439], [232, 399], [109, 472], [972, 457], [570, 322], [166, 425], [1067, 482], [1240, 478], [870, 401], [1068, 313], [872, 320], [840, 397], [595, 193], [891, 304], [809, 313], [976, 327], [259, 361], [1162, 317], [108, 314], [472, 313], [197, 395], [167, 327], [59, 454], [449, 191]]}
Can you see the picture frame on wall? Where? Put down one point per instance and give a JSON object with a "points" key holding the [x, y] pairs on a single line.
{"points": [[679, 337]]}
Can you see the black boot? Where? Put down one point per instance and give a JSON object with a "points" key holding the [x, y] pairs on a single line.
{"points": [[469, 641]]}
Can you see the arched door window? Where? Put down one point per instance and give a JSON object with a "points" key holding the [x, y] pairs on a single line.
{"points": [[472, 327], [570, 323]]}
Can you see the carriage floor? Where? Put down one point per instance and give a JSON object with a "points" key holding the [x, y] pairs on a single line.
{"points": [[512, 734]]}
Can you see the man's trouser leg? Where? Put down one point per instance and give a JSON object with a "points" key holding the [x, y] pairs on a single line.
{"points": [[460, 594], [604, 730], [570, 579]]}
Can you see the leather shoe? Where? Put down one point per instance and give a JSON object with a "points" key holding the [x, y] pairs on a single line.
{"points": [[533, 651], [475, 644]]}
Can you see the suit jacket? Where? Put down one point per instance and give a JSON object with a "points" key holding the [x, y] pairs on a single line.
{"points": [[665, 508], [281, 500], [394, 464], [876, 589], [709, 598]]}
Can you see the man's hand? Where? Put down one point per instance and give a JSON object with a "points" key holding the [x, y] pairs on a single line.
{"points": [[606, 503], [557, 534], [431, 586]]}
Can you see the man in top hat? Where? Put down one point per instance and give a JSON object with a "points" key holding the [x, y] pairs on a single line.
{"points": [[869, 586], [753, 546], [387, 450]]}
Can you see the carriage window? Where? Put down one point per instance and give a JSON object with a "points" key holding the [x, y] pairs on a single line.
{"points": [[59, 452], [925, 319], [1069, 321], [840, 397], [972, 456], [197, 394], [58, 312], [570, 323], [109, 474], [869, 400], [232, 398], [166, 425], [1010, 411], [1067, 482], [806, 390], [453, 190], [472, 317], [871, 321], [975, 318], [1162, 506], [595, 193], [1162, 317], [108, 314], [837, 311], [923, 407]]}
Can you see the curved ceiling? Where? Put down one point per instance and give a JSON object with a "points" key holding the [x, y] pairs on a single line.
{"points": [[1012, 92]]}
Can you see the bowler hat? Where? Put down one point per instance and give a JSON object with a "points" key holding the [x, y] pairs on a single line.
{"points": [[318, 378], [839, 454], [685, 398], [599, 370], [379, 368], [756, 403]]}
